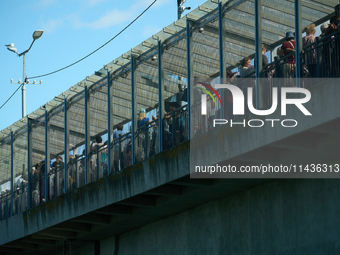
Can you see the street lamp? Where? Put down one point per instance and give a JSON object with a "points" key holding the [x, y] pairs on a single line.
{"points": [[181, 8], [36, 35]]}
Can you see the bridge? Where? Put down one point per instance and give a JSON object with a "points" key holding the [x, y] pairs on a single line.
{"points": [[135, 194]]}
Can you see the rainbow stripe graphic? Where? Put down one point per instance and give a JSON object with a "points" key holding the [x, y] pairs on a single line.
{"points": [[207, 86]]}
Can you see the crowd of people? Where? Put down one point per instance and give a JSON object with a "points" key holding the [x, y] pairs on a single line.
{"points": [[147, 145], [328, 56], [174, 123]]}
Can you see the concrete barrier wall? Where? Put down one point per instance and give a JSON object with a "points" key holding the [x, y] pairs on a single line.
{"points": [[279, 217], [163, 168]]}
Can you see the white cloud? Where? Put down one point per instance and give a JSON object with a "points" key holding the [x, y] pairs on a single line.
{"points": [[150, 30], [52, 25], [46, 3], [115, 16], [111, 18], [145, 3], [95, 2]]}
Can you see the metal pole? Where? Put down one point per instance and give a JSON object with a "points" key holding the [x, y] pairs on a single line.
{"points": [[222, 52], [258, 53], [189, 75], [109, 121], [298, 40], [160, 96], [29, 167], [134, 109], [47, 153], [12, 174], [87, 135], [179, 11], [318, 54], [66, 146], [23, 89], [258, 39], [221, 30]]}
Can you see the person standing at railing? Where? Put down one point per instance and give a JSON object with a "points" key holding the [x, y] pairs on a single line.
{"points": [[142, 123], [310, 53], [178, 125], [323, 29], [333, 45], [55, 181], [266, 69], [128, 151], [96, 143], [118, 148], [288, 47], [42, 182], [82, 169], [246, 67], [166, 139], [35, 184], [71, 168]]}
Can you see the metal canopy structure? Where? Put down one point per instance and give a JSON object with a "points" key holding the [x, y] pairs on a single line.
{"points": [[238, 42]]}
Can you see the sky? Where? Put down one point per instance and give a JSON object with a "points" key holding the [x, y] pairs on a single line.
{"points": [[72, 29]]}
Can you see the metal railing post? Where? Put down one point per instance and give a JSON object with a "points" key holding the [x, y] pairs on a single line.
{"points": [[29, 160], [298, 41], [87, 136], [258, 53], [160, 96], [189, 74], [134, 108], [277, 69], [12, 173], [47, 154], [66, 145], [109, 122], [318, 55]]}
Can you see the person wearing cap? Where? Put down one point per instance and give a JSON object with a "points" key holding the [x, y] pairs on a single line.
{"points": [[288, 47], [323, 29], [142, 119]]}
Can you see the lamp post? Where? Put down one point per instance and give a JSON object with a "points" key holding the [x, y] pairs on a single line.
{"points": [[181, 8], [36, 35]]}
